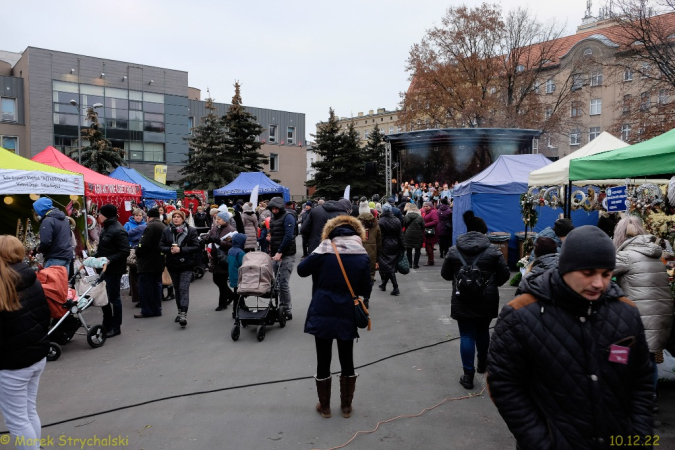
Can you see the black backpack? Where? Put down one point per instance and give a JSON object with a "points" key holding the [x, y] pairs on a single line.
{"points": [[469, 280]]}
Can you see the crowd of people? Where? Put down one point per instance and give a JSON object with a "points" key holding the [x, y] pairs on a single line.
{"points": [[571, 360]]}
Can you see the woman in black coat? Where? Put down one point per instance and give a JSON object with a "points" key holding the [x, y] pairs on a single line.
{"points": [[219, 250], [24, 321], [392, 246], [331, 311], [474, 314], [180, 244]]}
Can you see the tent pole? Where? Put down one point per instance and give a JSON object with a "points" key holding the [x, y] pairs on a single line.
{"points": [[568, 200]]}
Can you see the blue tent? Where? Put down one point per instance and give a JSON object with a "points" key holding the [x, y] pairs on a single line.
{"points": [[243, 185], [150, 189], [494, 195]]}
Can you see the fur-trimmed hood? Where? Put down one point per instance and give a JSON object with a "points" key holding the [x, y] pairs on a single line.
{"points": [[342, 220]]}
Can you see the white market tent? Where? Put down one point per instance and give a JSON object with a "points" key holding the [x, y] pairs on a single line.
{"points": [[558, 173]]}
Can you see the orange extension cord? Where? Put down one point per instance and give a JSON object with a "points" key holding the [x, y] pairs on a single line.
{"points": [[407, 416]]}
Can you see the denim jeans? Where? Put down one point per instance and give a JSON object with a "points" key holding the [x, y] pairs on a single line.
{"points": [[59, 262], [18, 394], [474, 336], [150, 293], [285, 272], [112, 312]]}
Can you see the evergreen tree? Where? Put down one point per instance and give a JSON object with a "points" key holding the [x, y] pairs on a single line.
{"points": [[375, 150], [209, 165], [100, 156], [242, 130], [340, 161]]}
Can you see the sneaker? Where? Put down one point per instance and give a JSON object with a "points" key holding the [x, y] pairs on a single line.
{"points": [[177, 319], [113, 333], [395, 292], [183, 320], [221, 308]]}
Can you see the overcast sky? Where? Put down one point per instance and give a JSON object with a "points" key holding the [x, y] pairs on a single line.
{"points": [[291, 55]]}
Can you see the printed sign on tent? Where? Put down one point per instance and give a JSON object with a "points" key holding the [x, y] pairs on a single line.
{"points": [[616, 199]]}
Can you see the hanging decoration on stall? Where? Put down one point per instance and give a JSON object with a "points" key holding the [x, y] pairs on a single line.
{"points": [[20, 232], [528, 204], [30, 243]]}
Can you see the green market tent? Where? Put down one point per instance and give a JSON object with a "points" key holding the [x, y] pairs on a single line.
{"points": [[653, 157], [19, 175]]}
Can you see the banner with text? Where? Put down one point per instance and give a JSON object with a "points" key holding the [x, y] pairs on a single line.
{"points": [[160, 174], [36, 182]]}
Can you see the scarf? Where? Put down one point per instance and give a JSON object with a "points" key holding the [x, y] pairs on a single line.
{"points": [[179, 233], [346, 245]]}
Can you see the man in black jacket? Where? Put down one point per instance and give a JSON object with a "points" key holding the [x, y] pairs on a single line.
{"points": [[569, 366], [283, 226], [150, 265], [313, 223], [113, 243]]}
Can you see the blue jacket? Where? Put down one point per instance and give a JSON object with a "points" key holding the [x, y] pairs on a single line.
{"points": [[235, 257], [132, 225], [331, 311], [55, 236]]}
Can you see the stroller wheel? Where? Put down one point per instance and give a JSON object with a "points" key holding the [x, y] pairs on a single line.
{"points": [[260, 334], [234, 334], [281, 316], [54, 351], [96, 336]]}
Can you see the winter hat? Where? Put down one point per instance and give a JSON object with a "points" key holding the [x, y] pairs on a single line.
{"points": [[309, 204], [429, 204], [222, 207], [376, 198], [109, 211], [474, 223], [179, 212], [346, 205], [224, 215], [247, 207], [364, 208], [371, 205], [386, 208], [391, 200], [154, 212], [562, 227], [213, 211], [544, 246], [586, 247], [42, 205]]}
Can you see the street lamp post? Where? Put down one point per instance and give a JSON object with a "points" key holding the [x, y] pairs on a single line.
{"points": [[79, 124]]}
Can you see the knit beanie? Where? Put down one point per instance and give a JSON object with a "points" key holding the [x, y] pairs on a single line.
{"points": [[247, 207], [544, 246], [562, 227], [224, 215], [386, 207], [364, 208], [371, 205], [108, 211], [153, 212], [474, 223], [586, 247]]}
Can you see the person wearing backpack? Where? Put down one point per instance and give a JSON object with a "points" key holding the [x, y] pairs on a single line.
{"points": [[477, 268]]}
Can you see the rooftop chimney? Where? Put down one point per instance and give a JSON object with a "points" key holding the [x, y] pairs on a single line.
{"points": [[360, 114]]}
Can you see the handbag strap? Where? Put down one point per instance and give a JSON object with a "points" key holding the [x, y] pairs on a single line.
{"points": [[349, 285]]}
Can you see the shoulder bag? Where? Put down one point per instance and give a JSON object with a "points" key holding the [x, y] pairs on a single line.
{"points": [[361, 315]]}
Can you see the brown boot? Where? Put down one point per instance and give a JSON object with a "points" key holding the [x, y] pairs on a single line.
{"points": [[323, 390], [347, 387]]}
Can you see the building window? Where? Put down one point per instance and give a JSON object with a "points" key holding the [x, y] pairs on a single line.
{"points": [[550, 86], [577, 81], [274, 162], [646, 67], [575, 137], [8, 109], [493, 89], [191, 124], [596, 107], [588, 51], [645, 101], [663, 96], [10, 143], [399, 129], [628, 74], [520, 68], [626, 103], [391, 130], [272, 134], [548, 112], [575, 109], [153, 152], [596, 78], [365, 134], [593, 132], [290, 138], [536, 87], [625, 133]]}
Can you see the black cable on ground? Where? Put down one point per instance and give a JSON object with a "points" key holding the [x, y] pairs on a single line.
{"points": [[243, 386]]}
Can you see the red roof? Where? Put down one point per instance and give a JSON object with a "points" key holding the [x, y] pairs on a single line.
{"points": [[96, 185]]}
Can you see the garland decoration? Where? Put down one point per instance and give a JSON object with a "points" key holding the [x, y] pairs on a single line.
{"points": [[527, 208]]}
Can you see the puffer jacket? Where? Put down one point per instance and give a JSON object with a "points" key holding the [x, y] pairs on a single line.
{"points": [[251, 228], [331, 311], [414, 230], [184, 260], [538, 266], [549, 372], [643, 278], [392, 242], [491, 264], [549, 233], [445, 220], [219, 254], [113, 243], [431, 221], [23, 333], [373, 241], [312, 225], [55, 236], [235, 257]]}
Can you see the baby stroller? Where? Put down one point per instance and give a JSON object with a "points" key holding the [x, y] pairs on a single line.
{"points": [[257, 280], [201, 258], [66, 312]]}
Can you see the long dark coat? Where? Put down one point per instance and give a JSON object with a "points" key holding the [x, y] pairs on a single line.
{"points": [[414, 230], [392, 243]]}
